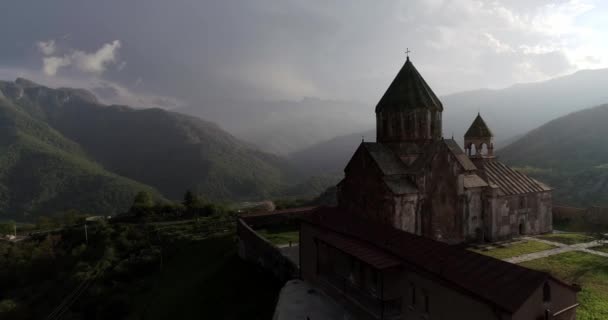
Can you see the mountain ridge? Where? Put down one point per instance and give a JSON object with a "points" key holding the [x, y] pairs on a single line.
{"points": [[159, 151]]}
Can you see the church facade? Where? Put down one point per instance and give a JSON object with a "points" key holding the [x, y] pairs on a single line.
{"points": [[415, 180]]}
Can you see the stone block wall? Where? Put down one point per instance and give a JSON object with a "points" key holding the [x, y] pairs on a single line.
{"points": [[252, 247]]}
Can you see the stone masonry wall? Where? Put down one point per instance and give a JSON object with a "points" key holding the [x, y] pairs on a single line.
{"points": [[252, 247]]}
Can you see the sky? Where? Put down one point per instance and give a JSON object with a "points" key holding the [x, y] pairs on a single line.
{"points": [[148, 53]]}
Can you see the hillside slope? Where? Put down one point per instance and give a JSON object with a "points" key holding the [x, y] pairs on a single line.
{"points": [[42, 172], [282, 127], [569, 153], [331, 156], [169, 151], [520, 108]]}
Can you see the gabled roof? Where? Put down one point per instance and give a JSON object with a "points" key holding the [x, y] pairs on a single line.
{"points": [[385, 158], [393, 169], [399, 184], [511, 182], [473, 181], [409, 91], [494, 281], [460, 156], [478, 129], [432, 149]]}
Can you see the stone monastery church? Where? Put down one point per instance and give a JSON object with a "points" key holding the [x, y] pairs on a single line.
{"points": [[415, 180]]}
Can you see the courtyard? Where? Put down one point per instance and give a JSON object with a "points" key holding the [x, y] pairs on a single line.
{"points": [[573, 257]]}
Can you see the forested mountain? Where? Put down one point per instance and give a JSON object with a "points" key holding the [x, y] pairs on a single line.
{"points": [[570, 154], [63, 149], [41, 171]]}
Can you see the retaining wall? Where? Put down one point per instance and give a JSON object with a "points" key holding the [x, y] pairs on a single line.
{"points": [[252, 247]]}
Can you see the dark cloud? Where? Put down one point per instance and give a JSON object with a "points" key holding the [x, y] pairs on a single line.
{"points": [[212, 50]]}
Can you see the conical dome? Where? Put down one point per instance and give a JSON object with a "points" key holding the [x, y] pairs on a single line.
{"points": [[478, 129], [408, 91]]}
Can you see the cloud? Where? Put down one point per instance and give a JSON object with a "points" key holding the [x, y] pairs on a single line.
{"points": [[46, 47], [50, 65], [113, 93], [108, 92], [289, 49], [95, 62]]}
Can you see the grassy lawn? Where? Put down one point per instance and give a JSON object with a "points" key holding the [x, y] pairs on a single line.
{"points": [[207, 280], [568, 238], [602, 248], [281, 234], [517, 249], [586, 269]]}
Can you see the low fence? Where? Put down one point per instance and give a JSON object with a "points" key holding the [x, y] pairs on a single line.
{"points": [[252, 247]]}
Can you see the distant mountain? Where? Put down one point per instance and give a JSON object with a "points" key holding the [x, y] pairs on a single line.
{"points": [[509, 112], [518, 109], [282, 127], [331, 156], [41, 171], [570, 154], [62, 144]]}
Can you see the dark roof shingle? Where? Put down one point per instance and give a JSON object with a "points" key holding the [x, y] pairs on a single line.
{"points": [[511, 181], [385, 158], [478, 129], [409, 91]]}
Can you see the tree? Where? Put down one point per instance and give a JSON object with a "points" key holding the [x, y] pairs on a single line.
{"points": [[191, 200], [7, 227], [44, 222], [143, 199], [143, 204]]}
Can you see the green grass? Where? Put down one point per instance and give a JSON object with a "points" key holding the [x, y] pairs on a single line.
{"points": [[517, 249], [207, 280], [568, 238], [280, 234], [588, 270], [602, 248]]}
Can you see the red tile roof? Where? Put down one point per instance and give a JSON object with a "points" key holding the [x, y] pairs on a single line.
{"points": [[500, 283], [361, 250]]}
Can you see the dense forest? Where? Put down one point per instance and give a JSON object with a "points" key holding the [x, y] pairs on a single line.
{"points": [[135, 266]]}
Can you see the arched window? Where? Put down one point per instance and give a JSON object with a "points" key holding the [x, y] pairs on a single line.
{"points": [[546, 292], [483, 150]]}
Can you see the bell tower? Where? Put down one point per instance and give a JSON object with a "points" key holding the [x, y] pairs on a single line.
{"points": [[479, 140], [409, 111]]}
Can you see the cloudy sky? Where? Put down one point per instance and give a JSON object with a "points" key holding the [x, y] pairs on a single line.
{"points": [[167, 53]]}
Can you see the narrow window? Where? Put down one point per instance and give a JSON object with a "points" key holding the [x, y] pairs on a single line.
{"points": [[426, 303], [522, 202]]}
